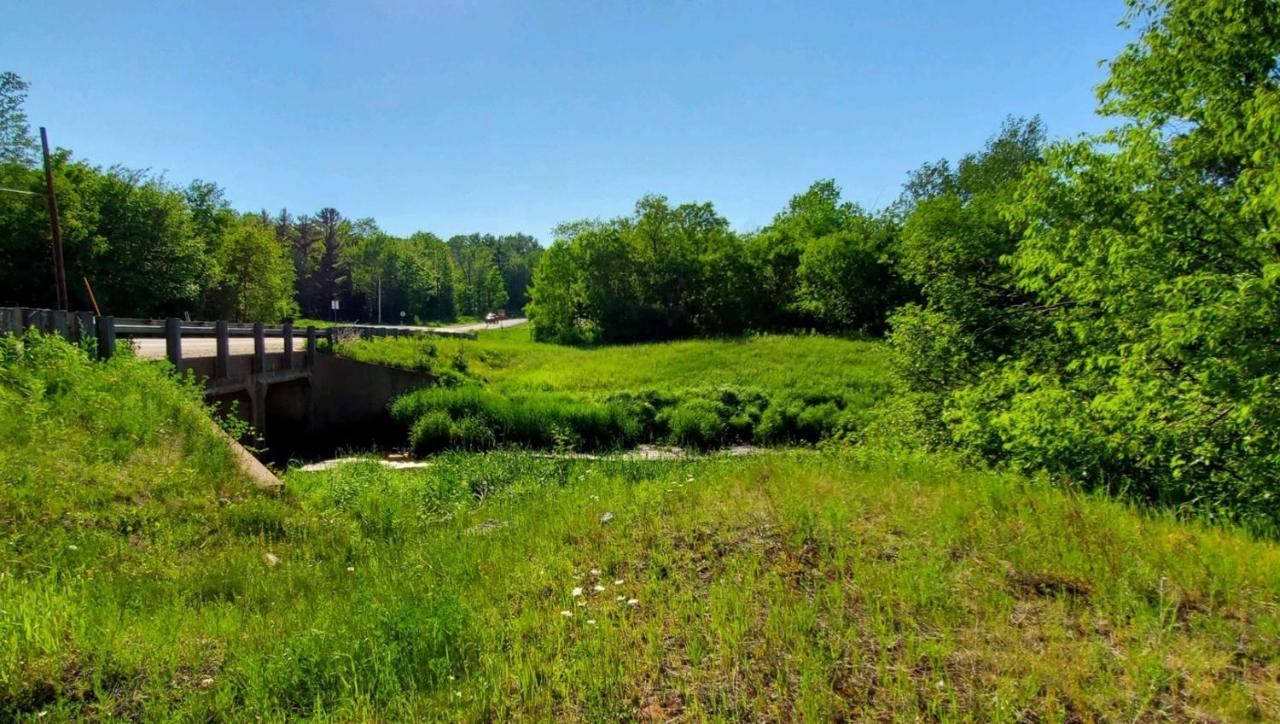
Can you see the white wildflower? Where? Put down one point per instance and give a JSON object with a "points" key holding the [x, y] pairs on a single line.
{"points": [[632, 601], [577, 591], [606, 517], [567, 614]]}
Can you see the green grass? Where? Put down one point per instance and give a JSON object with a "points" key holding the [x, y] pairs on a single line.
{"points": [[764, 390], [844, 583], [509, 360]]}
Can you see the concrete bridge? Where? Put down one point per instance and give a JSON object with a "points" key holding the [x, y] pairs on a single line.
{"points": [[284, 381]]}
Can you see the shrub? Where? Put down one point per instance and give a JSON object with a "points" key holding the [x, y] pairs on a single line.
{"points": [[697, 422], [431, 432], [473, 433]]}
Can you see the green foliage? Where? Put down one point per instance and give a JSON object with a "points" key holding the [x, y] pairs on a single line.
{"points": [[542, 395], [17, 146], [696, 422], [130, 233], [257, 278], [828, 262], [471, 417], [493, 272], [674, 272], [791, 405], [1110, 317], [431, 432]]}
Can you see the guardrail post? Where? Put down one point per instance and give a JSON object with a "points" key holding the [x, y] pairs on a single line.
{"points": [[288, 345], [259, 349], [106, 337], [328, 334], [60, 324], [310, 359], [81, 326], [10, 320], [173, 341], [222, 360]]}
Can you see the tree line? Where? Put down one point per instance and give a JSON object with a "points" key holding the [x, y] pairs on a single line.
{"points": [[151, 248], [671, 271], [1104, 309]]}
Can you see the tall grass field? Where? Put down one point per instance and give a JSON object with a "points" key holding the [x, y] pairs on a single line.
{"points": [[143, 577], [504, 389]]}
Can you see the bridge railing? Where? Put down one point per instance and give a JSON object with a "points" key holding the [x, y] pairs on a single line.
{"points": [[79, 326]]}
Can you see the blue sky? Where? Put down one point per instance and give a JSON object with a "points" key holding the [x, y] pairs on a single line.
{"points": [[513, 116]]}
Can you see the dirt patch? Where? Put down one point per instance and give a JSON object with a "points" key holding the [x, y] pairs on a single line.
{"points": [[1049, 584]]}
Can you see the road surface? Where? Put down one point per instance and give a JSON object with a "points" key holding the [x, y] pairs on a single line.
{"points": [[154, 347]]}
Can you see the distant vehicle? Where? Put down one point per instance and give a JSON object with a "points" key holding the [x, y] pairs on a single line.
{"points": [[491, 318]]}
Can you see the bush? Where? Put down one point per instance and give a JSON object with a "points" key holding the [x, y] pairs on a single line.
{"points": [[431, 433], [701, 418], [532, 420], [472, 433], [697, 423]]}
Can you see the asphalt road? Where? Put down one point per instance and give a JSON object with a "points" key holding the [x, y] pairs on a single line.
{"points": [[208, 346]]}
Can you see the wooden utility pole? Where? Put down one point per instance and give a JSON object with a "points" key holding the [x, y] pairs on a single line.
{"points": [[59, 271]]}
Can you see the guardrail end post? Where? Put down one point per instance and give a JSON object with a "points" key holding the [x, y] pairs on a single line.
{"points": [[106, 337], [173, 342]]}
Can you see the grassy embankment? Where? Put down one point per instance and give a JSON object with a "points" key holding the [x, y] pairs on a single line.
{"points": [[504, 388], [143, 577]]}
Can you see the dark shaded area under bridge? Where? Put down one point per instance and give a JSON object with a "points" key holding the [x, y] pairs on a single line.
{"points": [[308, 412]]}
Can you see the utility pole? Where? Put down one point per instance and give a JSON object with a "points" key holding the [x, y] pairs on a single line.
{"points": [[379, 299], [59, 271]]}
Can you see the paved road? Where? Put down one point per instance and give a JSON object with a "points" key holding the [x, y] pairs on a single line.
{"points": [[153, 347]]}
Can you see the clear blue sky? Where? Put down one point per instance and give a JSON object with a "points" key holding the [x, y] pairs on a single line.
{"points": [[513, 116]]}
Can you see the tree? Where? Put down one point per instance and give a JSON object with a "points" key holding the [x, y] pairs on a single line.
{"points": [[16, 143], [952, 245], [844, 275], [256, 274], [555, 308], [153, 261], [1151, 255], [436, 284]]}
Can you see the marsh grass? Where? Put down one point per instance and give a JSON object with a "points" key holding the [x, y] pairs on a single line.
{"points": [[765, 390]]}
